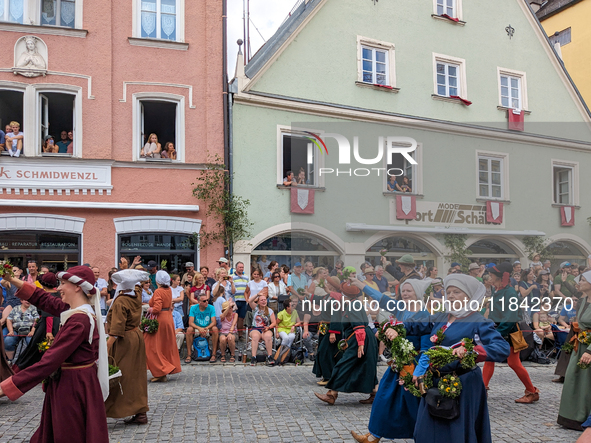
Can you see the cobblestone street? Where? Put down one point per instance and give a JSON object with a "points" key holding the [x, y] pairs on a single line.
{"points": [[227, 403]]}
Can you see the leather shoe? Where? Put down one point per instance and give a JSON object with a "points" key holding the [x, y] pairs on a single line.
{"points": [[361, 438], [327, 398], [558, 380], [529, 397], [137, 419], [368, 401]]}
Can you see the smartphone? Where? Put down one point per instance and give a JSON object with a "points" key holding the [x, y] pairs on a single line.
{"points": [[226, 278], [51, 142]]}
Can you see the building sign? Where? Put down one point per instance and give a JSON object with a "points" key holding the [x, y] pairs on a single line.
{"points": [[38, 242], [445, 214], [69, 174]]}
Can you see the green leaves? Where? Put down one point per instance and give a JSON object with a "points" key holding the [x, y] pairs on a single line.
{"points": [[537, 245], [456, 243], [226, 216]]}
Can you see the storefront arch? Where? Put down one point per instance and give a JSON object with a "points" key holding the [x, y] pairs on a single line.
{"points": [[424, 248], [492, 250], [311, 242], [568, 248]]}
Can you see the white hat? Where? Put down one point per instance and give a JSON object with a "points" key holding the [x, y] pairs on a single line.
{"points": [[223, 260], [128, 278], [473, 266]]}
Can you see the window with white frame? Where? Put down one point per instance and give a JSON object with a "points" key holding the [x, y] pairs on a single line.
{"points": [[11, 110], [490, 177], [57, 116], [403, 176], [13, 11], [563, 184], [58, 13], [375, 65], [447, 7], [159, 19], [299, 154], [512, 89], [448, 79]]}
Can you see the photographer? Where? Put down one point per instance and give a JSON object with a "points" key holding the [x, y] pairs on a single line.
{"points": [[21, 325]]}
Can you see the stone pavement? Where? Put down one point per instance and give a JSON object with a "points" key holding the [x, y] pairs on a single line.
{"points": [[236, 403]]}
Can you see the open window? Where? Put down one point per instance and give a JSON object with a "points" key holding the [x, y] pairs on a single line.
{"points": [[158, 118], [11, 109], [403, 176], [563, 184], [300, 155], [57, 114]]}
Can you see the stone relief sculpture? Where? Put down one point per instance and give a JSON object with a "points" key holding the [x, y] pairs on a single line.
{"points": [[30, 56]]}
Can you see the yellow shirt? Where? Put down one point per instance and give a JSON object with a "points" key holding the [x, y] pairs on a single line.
{"points": [[285, 321], [373, 285]]}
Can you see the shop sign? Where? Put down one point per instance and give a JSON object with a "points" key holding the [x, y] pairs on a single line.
{"points": [[24, 174], [446, 214]]}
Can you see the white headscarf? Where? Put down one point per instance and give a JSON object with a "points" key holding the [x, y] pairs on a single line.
{"points": [[162, 278], [471, 287], [419, 286], [127, 279], [587, 276]]}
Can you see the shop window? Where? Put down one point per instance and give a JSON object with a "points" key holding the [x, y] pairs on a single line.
{"points": [[11, 110], [160, 19], [159, 119], [171, 251], [395, 247], [13, 11], [58, 13], [300, 155], [492, 251], [57, 114]]}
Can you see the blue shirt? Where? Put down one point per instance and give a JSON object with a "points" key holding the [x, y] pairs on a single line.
{"points": [[63, 146], [296, 282], [202, 318], [2, 139], [570, 314], [178, 320], [382, 284]]}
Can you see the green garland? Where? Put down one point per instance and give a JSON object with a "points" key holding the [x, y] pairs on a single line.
{"points": [[113, 369], [388, 324], [450, 386], [410, 386], [567, 348]]}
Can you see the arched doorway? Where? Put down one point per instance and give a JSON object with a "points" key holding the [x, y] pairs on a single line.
{"points": [[291, 247], [396, 247], [492, 251], [562, 251]]}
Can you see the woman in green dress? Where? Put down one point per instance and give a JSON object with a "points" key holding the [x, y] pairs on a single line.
{"points": [[356, 371], [575, 403]]}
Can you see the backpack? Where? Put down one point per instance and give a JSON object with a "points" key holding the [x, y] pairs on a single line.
{"points": [[201, 350], [538, 357], [298, 355], [282, 355]]}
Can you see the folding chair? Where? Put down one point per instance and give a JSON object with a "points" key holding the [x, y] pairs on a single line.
{"points": [[248, 319], [559, 338]]}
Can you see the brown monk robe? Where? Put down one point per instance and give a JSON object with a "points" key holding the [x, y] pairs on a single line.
{"points": [[5, 370], [129, 354]]}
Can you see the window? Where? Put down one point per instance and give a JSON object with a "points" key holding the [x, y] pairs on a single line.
{"points": [[158, 118], [11, 109], [447, 7], [57, 114], [490, 177], [159, 19], [13, 11], [299, 155], [376, 63], [510, 92], [175, 249], [563, 179], [375, 66], [161, 115], [401, 168], [447, 79], [58, 13]]}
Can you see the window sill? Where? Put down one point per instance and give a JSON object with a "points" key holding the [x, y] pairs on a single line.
{"points": [[502, 108], [499, 200], [559, 205], [158, 43], [50, 30], [447, 99], [316, 188], [391, 193], [51, 154], [377, 87], [6, 154], [453, 22], [156, 160]]}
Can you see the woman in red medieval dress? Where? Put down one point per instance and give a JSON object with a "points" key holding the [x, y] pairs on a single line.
{"points": [[74, 368]]}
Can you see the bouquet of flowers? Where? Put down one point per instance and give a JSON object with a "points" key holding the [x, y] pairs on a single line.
{"points": [[383, 252], [323, 329], [567, 348], [403, 355], [44, 345], [149, 325], [301, 291], [585, 338], [450, 386], [6, 269], [390, 324], [322, 283], [582, 365]]}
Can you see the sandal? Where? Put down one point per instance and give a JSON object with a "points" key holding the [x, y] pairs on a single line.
{"points": [[232, 359], [213, 359], [188, 360], [223, 359]]}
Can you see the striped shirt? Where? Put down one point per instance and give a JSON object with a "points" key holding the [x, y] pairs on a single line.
{"points": [[240, 283]]}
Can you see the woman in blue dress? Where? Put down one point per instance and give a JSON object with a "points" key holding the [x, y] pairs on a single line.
{"points": [[461, 319], [392, 400]]}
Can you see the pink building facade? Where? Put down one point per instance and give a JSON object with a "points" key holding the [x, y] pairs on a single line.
{"points": [[106, 78]]}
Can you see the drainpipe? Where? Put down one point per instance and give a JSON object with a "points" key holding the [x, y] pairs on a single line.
{"points": [[227, 155]]}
